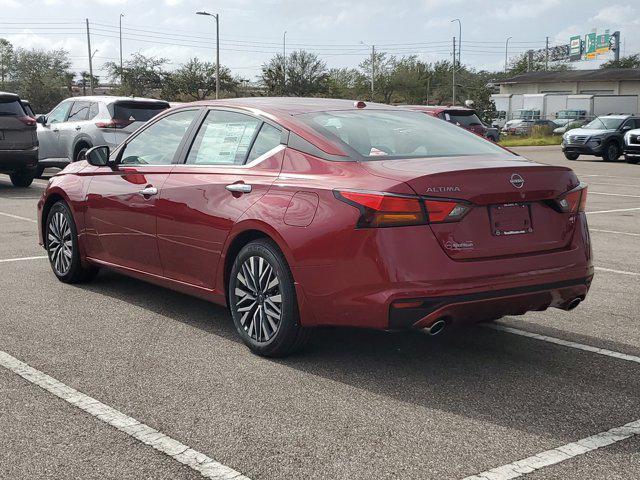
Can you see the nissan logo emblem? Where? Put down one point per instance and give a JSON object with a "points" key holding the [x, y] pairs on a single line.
{"points": [[517, 181]]}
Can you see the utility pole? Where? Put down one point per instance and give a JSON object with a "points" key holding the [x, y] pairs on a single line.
{"points": [[284, 63], [506, 53], [454, 72], [373, 67], [459, 38], [529, 59], [217, 17], [90, 58], [546, 56], [121, 69], [428, 88]]}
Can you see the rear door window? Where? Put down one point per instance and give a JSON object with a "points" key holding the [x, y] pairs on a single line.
{"points": [[137, 111], [224, 138], [11, 108], [79, 111]]}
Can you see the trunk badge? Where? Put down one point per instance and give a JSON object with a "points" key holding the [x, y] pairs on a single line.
{"points": [[517, 181]]}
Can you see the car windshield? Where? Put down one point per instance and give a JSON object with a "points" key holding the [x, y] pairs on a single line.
{"points": [[382, 134], [11, 108], [604, 123], [137, 111], [464, 119]]}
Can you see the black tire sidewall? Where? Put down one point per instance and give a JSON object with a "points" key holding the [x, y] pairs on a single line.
{"points": [[82, 151], [571, 156], [23, 178], [280, 343], [75, 271], [605, 154]]}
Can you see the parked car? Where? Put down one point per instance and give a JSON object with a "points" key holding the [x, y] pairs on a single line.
{"points": [[569, 126], [461, 116], [632, 146], [564, 117], [79, 123], [18, 141], [26, 105], [304, 212], [525, 127], [602, 137], [519, 117]]}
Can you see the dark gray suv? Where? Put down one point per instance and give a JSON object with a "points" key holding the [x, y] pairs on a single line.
{"points": [[602, 137], [18, 141]]}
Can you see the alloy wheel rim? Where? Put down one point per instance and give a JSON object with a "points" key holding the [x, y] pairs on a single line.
{"points": [[59, 243], [258, 299]]}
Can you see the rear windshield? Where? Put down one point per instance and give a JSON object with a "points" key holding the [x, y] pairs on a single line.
{"points": [[137, 111], [11, 108], [464, 119], [28, 110], [382, 134]]}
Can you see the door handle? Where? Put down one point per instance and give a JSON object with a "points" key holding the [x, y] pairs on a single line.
{"points": [[148, 191], [55, 130], [239, 188], [78, 127]]}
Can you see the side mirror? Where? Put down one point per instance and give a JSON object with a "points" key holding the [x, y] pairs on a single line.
{"points": [[98, 156], [626, 127], [42, 119]]}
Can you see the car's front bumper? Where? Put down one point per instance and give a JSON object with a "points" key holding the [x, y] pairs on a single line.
{"points": [[583, 148], [17, 160], [633, 150]]}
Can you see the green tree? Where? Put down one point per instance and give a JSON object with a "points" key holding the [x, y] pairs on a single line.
{"points": [[140, 76], [6, 60], [41, 76], [630, 61], [347, 83], [196, 80], [88, 80], [384, 83], [307, 75]]}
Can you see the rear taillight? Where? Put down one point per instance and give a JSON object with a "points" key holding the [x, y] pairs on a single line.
{"points": [[391, 210], [114, 124], [573, 201], [30, 121]]}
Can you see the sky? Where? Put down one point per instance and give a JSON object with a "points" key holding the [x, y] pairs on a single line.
{"points": [[252, 31]]}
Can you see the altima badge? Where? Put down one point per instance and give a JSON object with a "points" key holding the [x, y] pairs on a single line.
{"points": [[517, 181]]}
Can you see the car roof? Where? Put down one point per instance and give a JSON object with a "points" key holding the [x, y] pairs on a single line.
{"points": [[111, 99], [9, 96], [438, 108]]}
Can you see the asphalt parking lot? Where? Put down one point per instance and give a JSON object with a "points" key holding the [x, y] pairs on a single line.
{"points": [[357, 404]]}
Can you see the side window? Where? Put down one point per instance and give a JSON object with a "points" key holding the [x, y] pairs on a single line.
{"points": [[224, 138], [267, 139], [59, 114], [79, 111], [93, 111], [158, 144]]}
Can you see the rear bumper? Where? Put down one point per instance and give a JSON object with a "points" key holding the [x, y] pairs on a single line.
{"points": [[16, 160], [486, 305]]}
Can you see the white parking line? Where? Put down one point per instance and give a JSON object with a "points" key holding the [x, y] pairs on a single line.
{"points": [[622, 272], [608, 176], [613, 194], [200, 462], [614, 231], [559, 454], [612, 211], [566, 343], [17, 217], [21, 259], [614, 184]]}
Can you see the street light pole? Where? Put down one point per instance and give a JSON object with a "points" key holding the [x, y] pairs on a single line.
{"points": [[373, 65], [121, 69], [217, 17], [284, 63], [506, 53], [459, 37]]}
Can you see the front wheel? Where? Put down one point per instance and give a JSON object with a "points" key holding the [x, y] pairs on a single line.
{"points": [[61, 242], [23, 178], [571, 155], [263, 301], [611, 152]]}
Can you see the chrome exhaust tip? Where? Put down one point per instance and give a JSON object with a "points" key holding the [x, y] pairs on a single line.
{"points": [[436, 327]]}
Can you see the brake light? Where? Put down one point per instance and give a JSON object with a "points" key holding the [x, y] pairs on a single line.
{"points": [[114, 123], [383, 209], [390, 210], [573, 201], [29, 121]]}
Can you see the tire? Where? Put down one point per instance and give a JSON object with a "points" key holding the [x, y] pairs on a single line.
{"points": [[260, 280], [611, 152], [82, 153], [571, 155], [61, 243], [39, 171], [22, 179], [632, 159]]}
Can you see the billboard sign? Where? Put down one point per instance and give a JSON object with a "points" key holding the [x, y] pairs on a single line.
{"points": [[575, 48], [603, 43]]}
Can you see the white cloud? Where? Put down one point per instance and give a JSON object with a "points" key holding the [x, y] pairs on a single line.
{"points": [[522, 9]]}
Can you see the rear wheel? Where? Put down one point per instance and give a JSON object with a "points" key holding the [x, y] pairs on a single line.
{"points": [[61, 242], [263, 301], [571, 155], [23, 178], [611, 152]]}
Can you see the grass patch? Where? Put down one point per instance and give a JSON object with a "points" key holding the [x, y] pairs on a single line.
{"points": [[531, 141]]}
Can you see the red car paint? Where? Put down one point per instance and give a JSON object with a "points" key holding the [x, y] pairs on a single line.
{"points": [[392, 277]]}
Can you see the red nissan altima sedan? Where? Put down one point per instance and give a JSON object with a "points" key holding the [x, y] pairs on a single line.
{"points": [[304, 212]]}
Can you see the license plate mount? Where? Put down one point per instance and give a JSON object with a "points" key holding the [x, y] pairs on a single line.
{"points": [[510, 219]]}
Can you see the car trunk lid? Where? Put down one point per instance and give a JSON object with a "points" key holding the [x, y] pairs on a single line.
{"points": [[511, 202]]}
